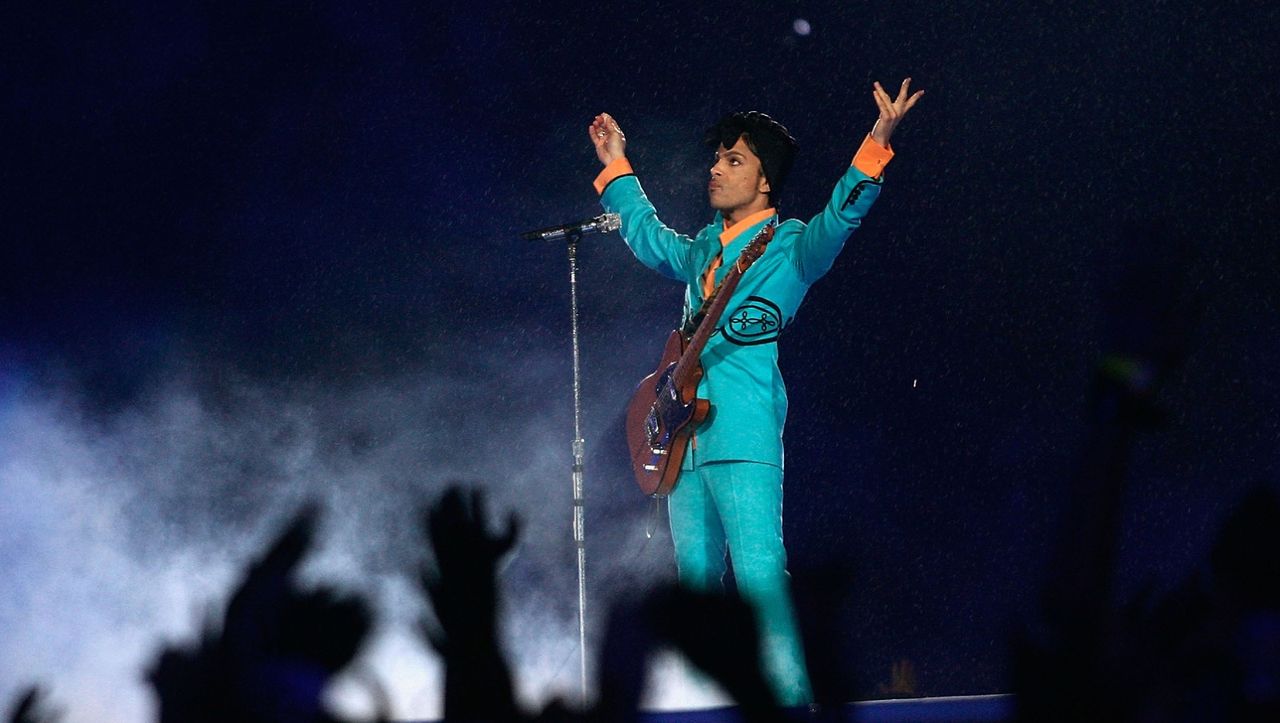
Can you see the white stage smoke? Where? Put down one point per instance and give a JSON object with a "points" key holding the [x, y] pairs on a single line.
{"points": [[122, 531]]}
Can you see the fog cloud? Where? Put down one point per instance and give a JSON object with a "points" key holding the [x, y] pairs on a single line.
{"points": [[126, 529]]}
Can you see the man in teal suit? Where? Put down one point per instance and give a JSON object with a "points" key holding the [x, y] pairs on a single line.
{"points": [[729, 493]]}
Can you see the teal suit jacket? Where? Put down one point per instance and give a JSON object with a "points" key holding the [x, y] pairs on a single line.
{"points": [[740, 362]]}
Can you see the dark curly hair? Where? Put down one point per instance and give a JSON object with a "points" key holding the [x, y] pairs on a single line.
{"points": [[766, 137]]}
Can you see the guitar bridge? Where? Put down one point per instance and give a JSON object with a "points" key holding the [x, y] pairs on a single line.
{"points": [[657, 452]]}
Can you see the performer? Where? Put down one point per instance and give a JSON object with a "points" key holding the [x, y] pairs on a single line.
{"points": [[729, 492]]}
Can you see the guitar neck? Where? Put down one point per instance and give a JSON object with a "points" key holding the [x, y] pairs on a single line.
{"points": [[689, 360]]}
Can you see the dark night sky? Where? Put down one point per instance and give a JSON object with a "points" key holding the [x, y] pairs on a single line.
{"points": [[317, 195]]}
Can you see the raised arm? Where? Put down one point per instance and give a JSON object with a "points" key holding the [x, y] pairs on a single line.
{"points": [[826, 233], [652, 242]]}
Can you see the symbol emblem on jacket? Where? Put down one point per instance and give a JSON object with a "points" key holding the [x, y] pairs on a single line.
{"points": [[756, 321]]}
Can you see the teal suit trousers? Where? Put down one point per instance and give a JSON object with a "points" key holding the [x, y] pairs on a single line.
{"points": [[739, 505]]}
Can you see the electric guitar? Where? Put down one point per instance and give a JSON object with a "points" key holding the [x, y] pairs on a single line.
{"points": [[664, 409]]}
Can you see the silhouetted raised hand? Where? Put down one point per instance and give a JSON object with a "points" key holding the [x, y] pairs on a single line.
{"points": [[277, 649], [462, 589]]}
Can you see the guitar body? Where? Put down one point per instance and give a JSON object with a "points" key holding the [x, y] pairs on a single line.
{"points": [[660, 419], [665, 408]]}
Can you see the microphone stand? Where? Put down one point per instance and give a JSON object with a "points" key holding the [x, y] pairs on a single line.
{"points": [[579, 449]]}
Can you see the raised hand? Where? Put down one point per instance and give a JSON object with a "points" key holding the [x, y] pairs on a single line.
{"points": [[276, 649], [891, 111], [608, 138], [463, 592], [462, 587]]}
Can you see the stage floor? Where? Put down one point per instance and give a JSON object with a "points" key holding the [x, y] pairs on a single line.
{"points": [[956, 709], [961, 709]]}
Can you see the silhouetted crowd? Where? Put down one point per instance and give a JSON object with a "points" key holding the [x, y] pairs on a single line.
{"points": [[278, 646], [1209, 650]]}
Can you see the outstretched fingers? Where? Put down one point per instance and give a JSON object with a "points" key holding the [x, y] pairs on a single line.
{"points": [[882, 100], [904, 102], [892, 109], [902, 92], [912, 100]]}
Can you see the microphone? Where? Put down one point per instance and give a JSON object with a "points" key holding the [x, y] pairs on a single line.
{"points": [[604, 223]]}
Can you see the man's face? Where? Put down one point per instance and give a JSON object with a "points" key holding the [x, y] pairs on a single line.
{"points": [[737, 179]]}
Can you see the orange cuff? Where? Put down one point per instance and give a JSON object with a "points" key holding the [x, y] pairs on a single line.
{"points": [[872, 157], [617, 167]]}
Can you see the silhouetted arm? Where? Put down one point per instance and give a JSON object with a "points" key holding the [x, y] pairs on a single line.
{"points": [[463, 593]]}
